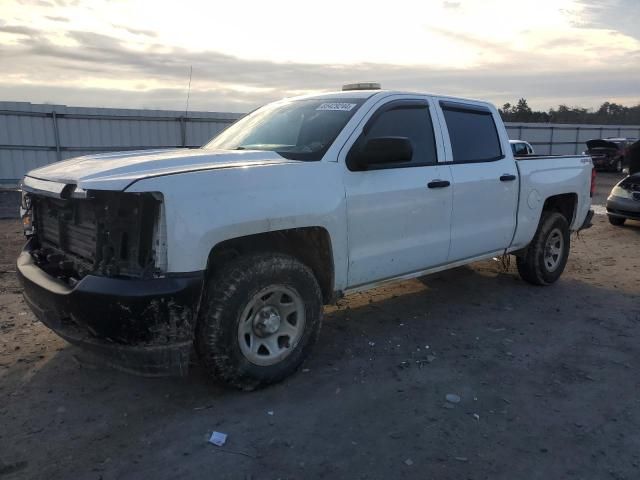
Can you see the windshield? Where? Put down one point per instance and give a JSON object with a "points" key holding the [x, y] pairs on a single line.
{"points": [[298, 130]]}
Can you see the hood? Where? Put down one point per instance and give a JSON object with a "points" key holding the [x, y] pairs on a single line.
{"points": [[116, 171], [591, 144], [630, 180]]}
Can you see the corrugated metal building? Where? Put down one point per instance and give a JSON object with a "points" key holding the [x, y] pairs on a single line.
{"points": [[566, 139], [33, 135]]}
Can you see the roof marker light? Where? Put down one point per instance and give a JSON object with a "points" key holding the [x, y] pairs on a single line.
{"points": [[361, 86]]}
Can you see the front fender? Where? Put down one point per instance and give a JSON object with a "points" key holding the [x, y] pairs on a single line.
{"points": [[206, 208]]}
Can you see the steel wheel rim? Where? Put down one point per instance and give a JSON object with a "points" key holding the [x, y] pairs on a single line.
{"points": [[553, 250], [271, 325]]}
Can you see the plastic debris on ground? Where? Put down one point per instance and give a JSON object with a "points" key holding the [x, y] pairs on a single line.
{"points": [[452, 397], [218, 439]]}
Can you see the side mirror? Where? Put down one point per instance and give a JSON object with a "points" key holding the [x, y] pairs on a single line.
{"points": [[378, 151]]}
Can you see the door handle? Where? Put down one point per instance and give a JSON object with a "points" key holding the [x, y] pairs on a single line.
{"points": [[438, 184], [507, 177]]}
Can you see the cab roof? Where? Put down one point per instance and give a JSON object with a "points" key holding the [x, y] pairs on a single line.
{"points": [[379, 92]]}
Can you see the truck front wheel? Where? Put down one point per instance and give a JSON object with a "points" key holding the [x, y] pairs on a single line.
{"points": [[546, 256], [260, 319]]}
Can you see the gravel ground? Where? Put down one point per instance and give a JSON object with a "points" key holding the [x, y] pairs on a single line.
{"points": [[547, 380]]}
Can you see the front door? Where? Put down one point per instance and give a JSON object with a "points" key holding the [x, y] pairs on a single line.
{"points": [[399, 214]]}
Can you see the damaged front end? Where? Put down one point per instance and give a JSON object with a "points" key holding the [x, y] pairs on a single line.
{"points": [[94, 271], [624, 200]]}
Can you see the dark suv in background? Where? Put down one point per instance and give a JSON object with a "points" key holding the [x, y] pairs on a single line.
{"points": [[609, 153]]}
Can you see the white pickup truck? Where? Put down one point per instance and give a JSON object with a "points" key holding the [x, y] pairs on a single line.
{"points": [[231, 250]]}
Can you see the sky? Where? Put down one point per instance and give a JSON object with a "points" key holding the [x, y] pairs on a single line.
{"points": [[138, 53]]}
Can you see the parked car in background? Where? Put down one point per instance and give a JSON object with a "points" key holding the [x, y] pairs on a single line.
{"points": [[520, 148], [624, 201], [609, 153]]}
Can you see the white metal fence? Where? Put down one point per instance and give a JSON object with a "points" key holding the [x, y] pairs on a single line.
{"points": [[34, 135], [566, 139]]}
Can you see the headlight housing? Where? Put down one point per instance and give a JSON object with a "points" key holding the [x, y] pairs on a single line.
{"points": [[26, 214], [621, 192]]}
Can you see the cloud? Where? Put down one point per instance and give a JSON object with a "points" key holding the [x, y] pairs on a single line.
{"points": [[451, 5], [37, 3], [561, 42], [619, 15], [219, 99], [57, 19], [136, 31], [19, 30], [499, 49], [100, 70]]}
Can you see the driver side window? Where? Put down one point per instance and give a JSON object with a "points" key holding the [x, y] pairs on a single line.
{"points": [[412, 122]]}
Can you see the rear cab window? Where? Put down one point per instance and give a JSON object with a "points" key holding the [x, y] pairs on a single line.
{"points": [[472, 132]]}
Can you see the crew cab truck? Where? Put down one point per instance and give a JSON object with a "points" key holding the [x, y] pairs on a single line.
{"points": [[231, 250]]}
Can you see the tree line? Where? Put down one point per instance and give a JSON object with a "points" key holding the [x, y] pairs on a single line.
{"points": [[608, 113]]}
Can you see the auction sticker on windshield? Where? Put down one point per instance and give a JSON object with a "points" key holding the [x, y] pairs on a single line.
{"points": [[341, 107]]}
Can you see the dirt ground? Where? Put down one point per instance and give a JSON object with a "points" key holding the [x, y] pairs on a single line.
{"points": [[548, 381]]}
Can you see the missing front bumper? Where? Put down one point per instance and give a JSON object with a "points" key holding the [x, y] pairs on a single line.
{"points": [[141, 326]]}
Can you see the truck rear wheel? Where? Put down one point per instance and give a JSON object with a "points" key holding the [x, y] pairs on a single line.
{"points": [[547, 254], [260, 319]]}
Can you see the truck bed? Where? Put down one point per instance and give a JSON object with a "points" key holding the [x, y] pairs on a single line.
{"points": [[543, 176], [545, 157]]}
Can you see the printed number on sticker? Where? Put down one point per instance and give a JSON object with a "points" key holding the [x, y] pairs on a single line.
{"points": [[341, 107]]}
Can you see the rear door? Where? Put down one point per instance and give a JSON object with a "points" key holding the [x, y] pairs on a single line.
{"points": [[485, 180], [398, 215]]}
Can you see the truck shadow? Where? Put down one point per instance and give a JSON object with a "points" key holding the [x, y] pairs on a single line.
{"points": [[413, 312]]}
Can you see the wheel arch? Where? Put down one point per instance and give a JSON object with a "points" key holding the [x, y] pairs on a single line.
{"points": [[565, 204], [310, 245]]}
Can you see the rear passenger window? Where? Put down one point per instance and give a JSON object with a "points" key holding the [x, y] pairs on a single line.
{"points": [[473, 134], [413, 123]]}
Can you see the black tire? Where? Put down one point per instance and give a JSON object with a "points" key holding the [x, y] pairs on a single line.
{"points": [[229, 293], [532, 266], [617, 221]]}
